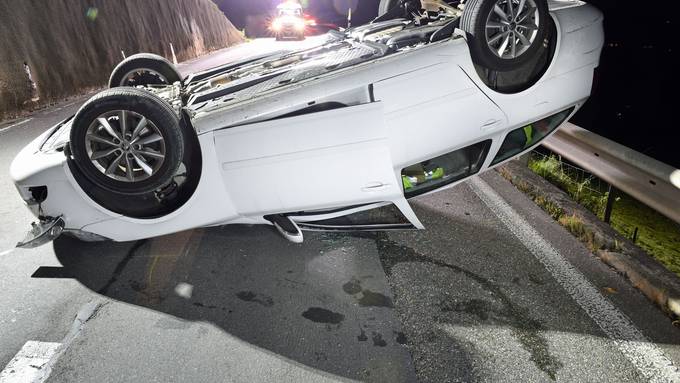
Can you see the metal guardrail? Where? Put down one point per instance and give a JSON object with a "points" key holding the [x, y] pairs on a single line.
{"points": [[643, 178]]}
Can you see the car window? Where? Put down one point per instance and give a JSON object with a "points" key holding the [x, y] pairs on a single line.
{"points": [[385, 217], [527, 136], [445, 169]]}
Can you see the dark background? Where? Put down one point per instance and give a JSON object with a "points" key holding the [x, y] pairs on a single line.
{"points": [[634, 100]]}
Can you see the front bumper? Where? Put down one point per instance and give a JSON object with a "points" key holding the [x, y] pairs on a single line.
{"points": [[45, 184], [42, 232]]}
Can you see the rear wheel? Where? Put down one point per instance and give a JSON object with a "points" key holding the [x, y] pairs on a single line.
{"points": [[505, 34], [386, 5], [398, 8], [144, 69], [127, 141]]}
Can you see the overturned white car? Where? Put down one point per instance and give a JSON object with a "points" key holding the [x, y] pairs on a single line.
{"points": [[336, 137]]}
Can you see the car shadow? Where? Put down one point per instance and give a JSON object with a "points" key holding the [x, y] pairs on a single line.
{"points": [[327, 303]]}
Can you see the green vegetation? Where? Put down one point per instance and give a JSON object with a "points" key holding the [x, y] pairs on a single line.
{"points": [[547, 205], [657, 235], [575, 225], [551, 169]]}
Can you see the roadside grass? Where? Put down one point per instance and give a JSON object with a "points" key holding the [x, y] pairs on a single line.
{"points": [[657, 235], [578, 228], [573, 223], [548, 206], [581, 191]]}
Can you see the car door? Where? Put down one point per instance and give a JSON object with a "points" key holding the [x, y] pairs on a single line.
{"points": [[332, 159]]}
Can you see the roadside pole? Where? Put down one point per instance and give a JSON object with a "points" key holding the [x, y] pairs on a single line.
{"points": [[174, 58], [611, 197]]}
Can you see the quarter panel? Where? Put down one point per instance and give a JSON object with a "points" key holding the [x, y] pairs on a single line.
{"points": [[434, 111], [568, 80]]}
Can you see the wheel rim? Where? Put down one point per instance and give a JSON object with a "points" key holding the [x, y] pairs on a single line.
{"points": [[143, 76], [125, 146], [512, 27]]}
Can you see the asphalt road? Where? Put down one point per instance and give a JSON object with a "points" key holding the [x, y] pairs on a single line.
{"points": [[493, 290]]}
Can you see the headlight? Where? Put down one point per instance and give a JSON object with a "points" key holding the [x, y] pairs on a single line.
{"points": [[276, 25], [59, 137]]}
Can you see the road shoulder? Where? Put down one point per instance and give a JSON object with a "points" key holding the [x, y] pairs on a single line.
{"points": [[657, 283]]}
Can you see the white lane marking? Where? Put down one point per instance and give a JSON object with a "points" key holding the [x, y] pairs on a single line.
{"points": [[651, 361], [27, 364], [69, 104], [15, 125], [6, 252], [37, 359]]}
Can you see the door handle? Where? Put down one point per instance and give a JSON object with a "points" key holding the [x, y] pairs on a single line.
{"points": [[375, 186], [490, 123]]}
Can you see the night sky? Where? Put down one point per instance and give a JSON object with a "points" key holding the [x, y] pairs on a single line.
{"points": [[634, 99]]}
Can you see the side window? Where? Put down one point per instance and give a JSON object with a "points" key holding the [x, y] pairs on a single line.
{"points": [[384, 217], [527, 136], [440, 171]]}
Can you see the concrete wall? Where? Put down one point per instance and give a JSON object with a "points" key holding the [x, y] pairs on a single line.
{"points": [[71, 45]]}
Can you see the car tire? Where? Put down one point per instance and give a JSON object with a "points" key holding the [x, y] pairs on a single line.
{"points": [[137, 157], [144, 69], [499, 37], [386, 5]]}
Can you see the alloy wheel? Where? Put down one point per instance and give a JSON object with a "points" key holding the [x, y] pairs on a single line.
{"points": [[125, 146], [512, 27]]}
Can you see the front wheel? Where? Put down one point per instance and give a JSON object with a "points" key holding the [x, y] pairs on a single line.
{"points": [[127, 141], [505, 34]]}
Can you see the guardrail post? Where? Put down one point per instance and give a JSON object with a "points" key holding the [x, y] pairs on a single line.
{"points": [[524, 158], [611, 197]]}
